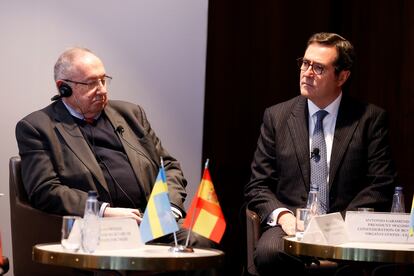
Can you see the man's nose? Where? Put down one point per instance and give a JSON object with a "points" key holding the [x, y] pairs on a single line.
{"points": [[309, 70], [101, 88]]}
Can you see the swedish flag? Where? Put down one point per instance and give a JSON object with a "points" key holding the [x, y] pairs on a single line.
{"points": [[158, 219]]}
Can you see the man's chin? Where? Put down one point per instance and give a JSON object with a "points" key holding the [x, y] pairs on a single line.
{"points": [[305, 92], [99, 104], [97, 109]]}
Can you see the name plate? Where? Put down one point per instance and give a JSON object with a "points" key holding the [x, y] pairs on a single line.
{"points": [[119, 234], [378, 227], [326, 229]]}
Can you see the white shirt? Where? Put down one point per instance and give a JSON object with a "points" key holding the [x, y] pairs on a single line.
{"points": [[329, 123]]}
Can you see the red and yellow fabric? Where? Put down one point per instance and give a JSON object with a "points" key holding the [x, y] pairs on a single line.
{"points": [[205, 216]]}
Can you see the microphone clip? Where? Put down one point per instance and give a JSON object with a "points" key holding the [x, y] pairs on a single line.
{"points": [[120, 130], [315, 155]]}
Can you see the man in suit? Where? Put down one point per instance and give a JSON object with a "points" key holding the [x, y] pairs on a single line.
{"points": [[83, 141], [360, 172]]}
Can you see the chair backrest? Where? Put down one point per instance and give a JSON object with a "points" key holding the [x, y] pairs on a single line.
{"points": [[252, 236], [29, 227]]}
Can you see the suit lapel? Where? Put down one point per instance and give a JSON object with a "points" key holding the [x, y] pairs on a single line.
{"points": [[346, 124], [298, 126], [73, 137], [130, 144]]}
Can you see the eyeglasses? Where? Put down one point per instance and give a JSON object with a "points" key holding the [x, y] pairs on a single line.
{"points": [[304, 65], [104, 81]]}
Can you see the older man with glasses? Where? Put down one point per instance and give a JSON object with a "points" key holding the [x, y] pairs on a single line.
{"points": [[84, 141], [322, 140]]}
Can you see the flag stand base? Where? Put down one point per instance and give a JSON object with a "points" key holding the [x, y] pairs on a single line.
{"points": [[181, 249]]}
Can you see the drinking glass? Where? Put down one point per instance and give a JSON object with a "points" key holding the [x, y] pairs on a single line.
{"points": [[303, 216], [71, 233]]}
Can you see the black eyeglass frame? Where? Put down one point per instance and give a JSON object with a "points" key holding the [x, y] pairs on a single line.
{"points": [[105, 80], [317, 68]]}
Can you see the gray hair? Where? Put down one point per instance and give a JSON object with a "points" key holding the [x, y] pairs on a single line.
{"points": [[64, 65]]}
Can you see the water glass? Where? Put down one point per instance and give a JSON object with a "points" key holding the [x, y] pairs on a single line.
{"points": [[71, 233], [303, 216]]}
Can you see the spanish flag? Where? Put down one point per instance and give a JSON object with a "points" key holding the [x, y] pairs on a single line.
{"points": [[205, 216], [411, 231], [158, 219]]}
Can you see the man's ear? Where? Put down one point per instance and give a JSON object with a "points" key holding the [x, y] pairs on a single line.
{"points": [[58, 83], [64, 88], [343, 76]]}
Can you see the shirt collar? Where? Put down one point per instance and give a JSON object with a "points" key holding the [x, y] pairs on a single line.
{"points": [[332, 108], [76, 114]]}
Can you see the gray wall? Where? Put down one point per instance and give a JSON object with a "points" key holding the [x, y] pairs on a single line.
{"points": [[154, 49]]}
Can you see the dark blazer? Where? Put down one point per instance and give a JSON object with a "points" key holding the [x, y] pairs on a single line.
{"points": [[58, 166], [361, 171]]}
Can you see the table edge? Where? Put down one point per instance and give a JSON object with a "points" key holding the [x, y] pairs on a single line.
{"points": [[105, 262], [347, 253]]}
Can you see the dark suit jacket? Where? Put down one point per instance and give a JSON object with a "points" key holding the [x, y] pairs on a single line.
{"points": [[58, 166], [361, 171]]}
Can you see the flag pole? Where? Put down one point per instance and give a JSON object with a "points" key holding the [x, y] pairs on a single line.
{"points": [[174, 233], [176, 248], [193, 215]]}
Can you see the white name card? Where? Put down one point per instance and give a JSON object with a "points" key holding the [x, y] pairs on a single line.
{"points": [[119, 234], [326, 229], [378, 227]]}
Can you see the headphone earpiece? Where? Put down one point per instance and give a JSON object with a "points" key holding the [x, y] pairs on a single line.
{"points": [[65, 90]]}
